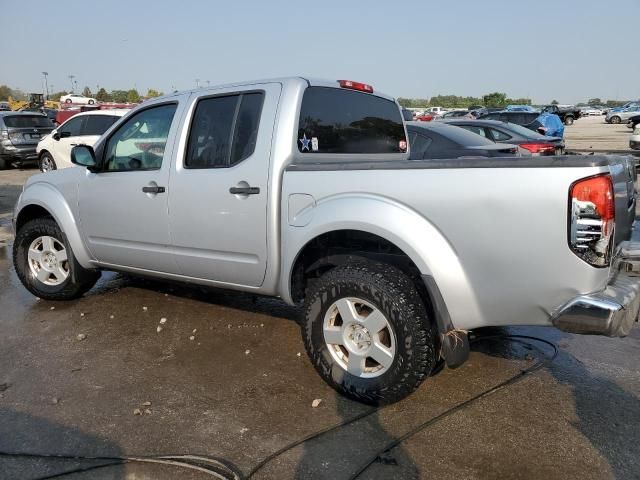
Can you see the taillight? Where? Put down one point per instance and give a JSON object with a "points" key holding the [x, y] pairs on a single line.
{"points": [[539, 147], [592, 219], [362, 87]]}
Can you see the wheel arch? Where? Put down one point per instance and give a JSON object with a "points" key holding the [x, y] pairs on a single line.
{"points": [[42, 200], [391, 232]]}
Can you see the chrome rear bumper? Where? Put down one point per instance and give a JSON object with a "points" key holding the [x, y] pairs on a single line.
{"points": [[614, 310]]}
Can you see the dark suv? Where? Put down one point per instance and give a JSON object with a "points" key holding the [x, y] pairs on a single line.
{"points": [[20, 133]]}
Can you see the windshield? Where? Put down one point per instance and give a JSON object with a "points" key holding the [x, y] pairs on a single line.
{"points": [[26, 121]]}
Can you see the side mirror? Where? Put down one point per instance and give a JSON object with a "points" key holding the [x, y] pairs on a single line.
{"points": [[55, 135], [83, 156]]}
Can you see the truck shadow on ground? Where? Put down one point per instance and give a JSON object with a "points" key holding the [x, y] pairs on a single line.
{"points": [[607, 415]]}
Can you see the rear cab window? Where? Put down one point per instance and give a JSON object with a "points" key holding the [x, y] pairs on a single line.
{"points": [[343, 121]]}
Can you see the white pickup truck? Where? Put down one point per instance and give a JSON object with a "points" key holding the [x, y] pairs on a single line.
{"points": [[304, 190]]}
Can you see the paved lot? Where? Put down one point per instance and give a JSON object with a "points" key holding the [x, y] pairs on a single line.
{"points": [[592, 134], [243, 388]]}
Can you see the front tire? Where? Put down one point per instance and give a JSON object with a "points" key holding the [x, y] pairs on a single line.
{"points": [[46, 162], [68, 100], [368, 334], [46, 265], [91, 102]]}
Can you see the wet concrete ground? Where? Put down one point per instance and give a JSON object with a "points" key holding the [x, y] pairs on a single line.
{"points": [[240, 391]]}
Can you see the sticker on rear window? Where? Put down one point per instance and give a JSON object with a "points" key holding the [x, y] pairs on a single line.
{"points": [[314, 144], [304, 141]]}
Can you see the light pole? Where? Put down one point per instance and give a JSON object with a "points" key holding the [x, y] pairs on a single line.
{"points": [[71, 77], [208, 83], [46, 85], [197, 83], [76, 83]]}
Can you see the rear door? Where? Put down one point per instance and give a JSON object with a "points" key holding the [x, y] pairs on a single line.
{"points": [[218, 189]]}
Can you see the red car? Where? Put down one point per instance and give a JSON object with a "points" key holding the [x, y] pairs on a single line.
{"points": [[425, 117]]}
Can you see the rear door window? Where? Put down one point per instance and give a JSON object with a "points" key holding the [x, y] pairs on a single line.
{"points": [[98, 124], [334, 120], [224, 130], [26, 121], [498, 135]]}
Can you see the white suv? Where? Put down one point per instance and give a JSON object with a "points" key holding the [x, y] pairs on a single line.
{"points": [[54, 150], [77, 99]]}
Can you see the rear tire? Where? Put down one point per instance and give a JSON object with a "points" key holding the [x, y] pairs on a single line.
{"points": [[370, 294], [568, 121], [41, 247], [91, 102], [615, 120]]}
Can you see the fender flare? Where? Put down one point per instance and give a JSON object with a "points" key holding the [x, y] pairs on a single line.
{"points": [[50, 199], [397, 223]]}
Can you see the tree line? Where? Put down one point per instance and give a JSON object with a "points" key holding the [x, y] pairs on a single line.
{"points": [[495, 99], [102, 95]]}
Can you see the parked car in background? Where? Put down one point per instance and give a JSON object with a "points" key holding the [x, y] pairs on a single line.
{"points": [[439, 140], [634, 141], [20, 133], [567, 113], [54, 150], [624, 107], [407, 115], [622, 116], [519, 108], [77, 99], [633, 121], [590, 111], [529, 143], [455, 114], [426, 117], [526, 119], [5, 107]]}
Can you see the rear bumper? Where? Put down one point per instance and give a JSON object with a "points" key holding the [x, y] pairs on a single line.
{"points": [[20, 155], [612, 311]]}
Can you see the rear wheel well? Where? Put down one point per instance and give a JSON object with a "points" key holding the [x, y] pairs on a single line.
{"points": [[336, 248], [31, 212]]}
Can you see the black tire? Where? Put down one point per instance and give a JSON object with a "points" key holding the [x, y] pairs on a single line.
{"points": [[46, 156], [615, 120], [393, 293], [3, 164], [91, 102], [68, 100], [568, 120], [79, 281]]}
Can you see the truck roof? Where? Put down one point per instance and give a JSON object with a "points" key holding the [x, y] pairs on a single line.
{"points": [[315, 82]]}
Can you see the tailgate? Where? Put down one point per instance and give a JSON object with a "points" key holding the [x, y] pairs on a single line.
{"points": [[28, 136]]}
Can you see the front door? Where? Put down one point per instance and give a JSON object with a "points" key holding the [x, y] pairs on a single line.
{"points": [[69, 134], [123, 207], [218, 198]]}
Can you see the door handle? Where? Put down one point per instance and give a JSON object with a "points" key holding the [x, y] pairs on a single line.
{"points": [[153, 189], [73, 144], [244, 190]]}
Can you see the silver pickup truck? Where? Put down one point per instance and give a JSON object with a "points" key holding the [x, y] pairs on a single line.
{"points": [[304, 190]]}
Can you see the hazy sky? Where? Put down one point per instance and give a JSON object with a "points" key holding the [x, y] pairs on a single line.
{"points": [[569, 50]]}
